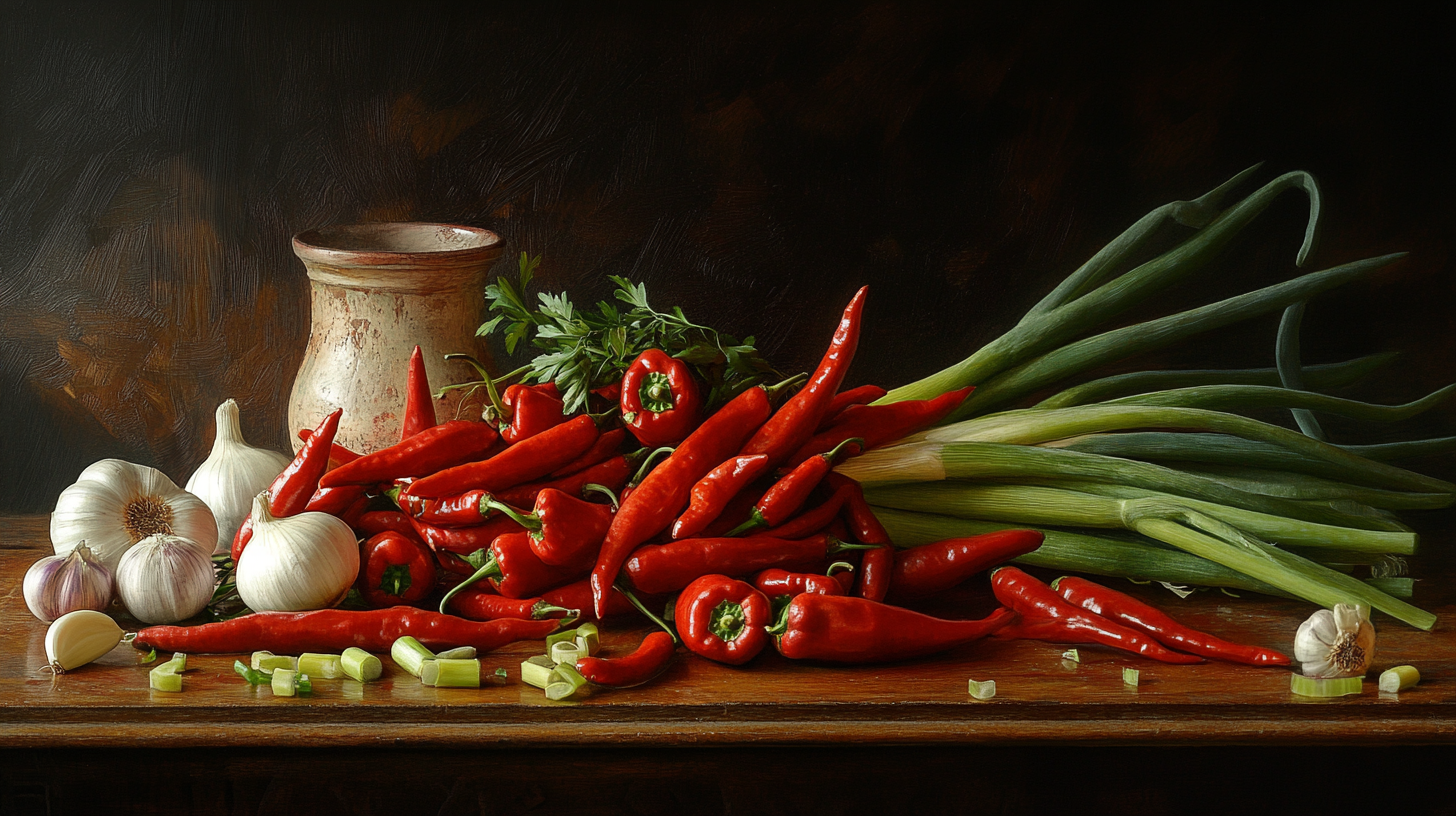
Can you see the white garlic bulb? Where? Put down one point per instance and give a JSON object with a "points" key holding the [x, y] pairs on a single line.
{"points": [[165, 579], [232, 475], [1337, 642], [296, 563], [77, 638], [115, 504], [58, 584]]}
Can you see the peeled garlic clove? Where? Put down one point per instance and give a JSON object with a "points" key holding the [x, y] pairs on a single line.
{"points": [[165, 579], [79, 637], [58, 584], [1337, 642], [233, 473]]}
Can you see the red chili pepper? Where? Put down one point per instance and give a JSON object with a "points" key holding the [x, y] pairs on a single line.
{"points": [[466, 540], [289, 493], [338, 501], [660, 400], [842, 629], [338, 454], [578, 595], [1045, 616], [644, 663], [793, 424], [876, 568], [565, 531], [514, 570], [926, 570], [879, 425], [876, 573], [712, 493], [395, 570], [669, 567], [722, 619], [378, 521], [789, 493], [534, 408], [611, 474], [419, 406], [526, 460], [777, 582], [334, 630], [424, 453], [657, 501], [464, 510], [609, 444], [812, 521], [863, 395], [476, 603], [1125, 609]]}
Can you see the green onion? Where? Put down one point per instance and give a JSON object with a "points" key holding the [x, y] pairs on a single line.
{"points": [[1227, 397], [457, 653], [1398, 679], [537, 671], [1129, 677], [168, 676], [1072, 655], [252, 675], [982, 689], [323, 666], [588, 639], [1325, 686], [565, 682], [267, 661], [565, 652], [451, 673], [410, 654], [285, 682], [360, 665], [564, 636]]}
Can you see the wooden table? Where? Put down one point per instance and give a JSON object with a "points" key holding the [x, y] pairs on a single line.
{"points": [[842, 723]]}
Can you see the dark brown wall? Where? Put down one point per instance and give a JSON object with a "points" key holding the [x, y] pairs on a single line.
{"points": [[754, 166]]}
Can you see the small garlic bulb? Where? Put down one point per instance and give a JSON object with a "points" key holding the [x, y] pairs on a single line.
{"points": [[233, 474], [58, 584], [115, 504], [296, 563], [165, 579], [1336, 643]]}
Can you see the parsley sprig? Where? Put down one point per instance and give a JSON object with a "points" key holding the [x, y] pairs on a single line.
{"points": [[587, 348]]}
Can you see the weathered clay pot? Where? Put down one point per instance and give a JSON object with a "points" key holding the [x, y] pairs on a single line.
{"points": [[378, 291]]}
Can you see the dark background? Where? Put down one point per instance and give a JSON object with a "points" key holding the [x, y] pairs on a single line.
{"points": [[752, 165]]}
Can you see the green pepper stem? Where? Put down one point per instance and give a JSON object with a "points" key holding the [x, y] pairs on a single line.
{"points": [[647, 462], [635, 601], [490, 569], [835, 546], [834, 452], [755, 521], [593, 487], [544, 609], [839, 566], [790, 382], [530, 521]]}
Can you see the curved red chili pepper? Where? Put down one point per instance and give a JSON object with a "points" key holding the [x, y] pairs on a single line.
{"points": [[394, 570], [1125, 609], [1046, 616], [534, 409], [289, 493], [375, 522], [522, 462], [876, 568], [565, 531], [578, 595], [464, 510], [478, 604], [334, 630], [712, 493], [777, 582], [609, 444], [424, 453], [931, 568], [878, 425], [514, 570], [862, 395], [338, 454], [843, 629], [419, 405], [789, 493], [662, 495], [657, 568], [794, 423], [644, 663], [660, 400], [337, 501], [465, 540], [611, 474], [814, 520], [722, 619]]}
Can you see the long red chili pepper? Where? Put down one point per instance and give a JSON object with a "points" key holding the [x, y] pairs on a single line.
{"points": [[334, 630], [722, 619], [1125, 609], [862, 395], [813, 520], [478, 604], [609, 444], [878, 425], [777, 582], [565, 531], [644, 663], [466, 540], [426, 452], [338, 454], [578, 595], [514, 570], [843, 629], [464, 510], [662, 495], [526, 460], [394, 569], [789, 493], [337, 501], [375, 522], [660, 400], [876, 568], [611, 474], [711, 494], [669, 567], [925, 570], [289, 493], [1046, 616], [794, 423], [419, 406]]}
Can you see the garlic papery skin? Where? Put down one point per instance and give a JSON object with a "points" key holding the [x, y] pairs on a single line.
{"points": [[1337, 642], [230, 476], [115, 504], [58, 584], [165, 579], [296, 563]]}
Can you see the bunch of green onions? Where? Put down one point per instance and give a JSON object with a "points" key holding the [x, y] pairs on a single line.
{"points": [[1153, 475]]}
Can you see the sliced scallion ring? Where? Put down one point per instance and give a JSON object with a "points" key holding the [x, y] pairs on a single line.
{"points": [[1325, 686], [983, 689]]}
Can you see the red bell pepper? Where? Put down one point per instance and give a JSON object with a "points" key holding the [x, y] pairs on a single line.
{"points": [[722, 619], [660, 401], [394, 570], [534, 408]]}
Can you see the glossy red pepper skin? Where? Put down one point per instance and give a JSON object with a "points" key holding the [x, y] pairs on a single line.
{"points": [[645, 662], [1046, 616], [375, 522], [338, 454], [522, 462], [661, 402], [289, 493], [794, 423], [534, 409], [337, 501], [712, 493], [657, 568], [663, 494], [842, 629], [426, 452], [465, 540], [879, 425], [578, 595], [722, 619], [394, 570], [920, 572], [789, 493], [611, 474], [863, 395], [814, 520], [519, 573], [478, 604], [777, 582], [609, 444], [419, 405], [1132, 612], [877, 567], [464, 510], [571, 531], [334, 630]]}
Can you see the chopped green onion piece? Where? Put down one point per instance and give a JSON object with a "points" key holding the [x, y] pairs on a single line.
{"points": [[152, 655], [305, 686], [267, 661], [983, 689], [285, 682], [501, 673], [324, 666], [589, 633], [1398, 679], [360, 665], [565, 636], [448, 673], [409, 654], [457, 653], [1324, 686], [1129, 677], [1072, 655], [165, 680], [178, 662], [585, 646], [537, 671], [565, 652], [566, 683], [253, 676]]}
